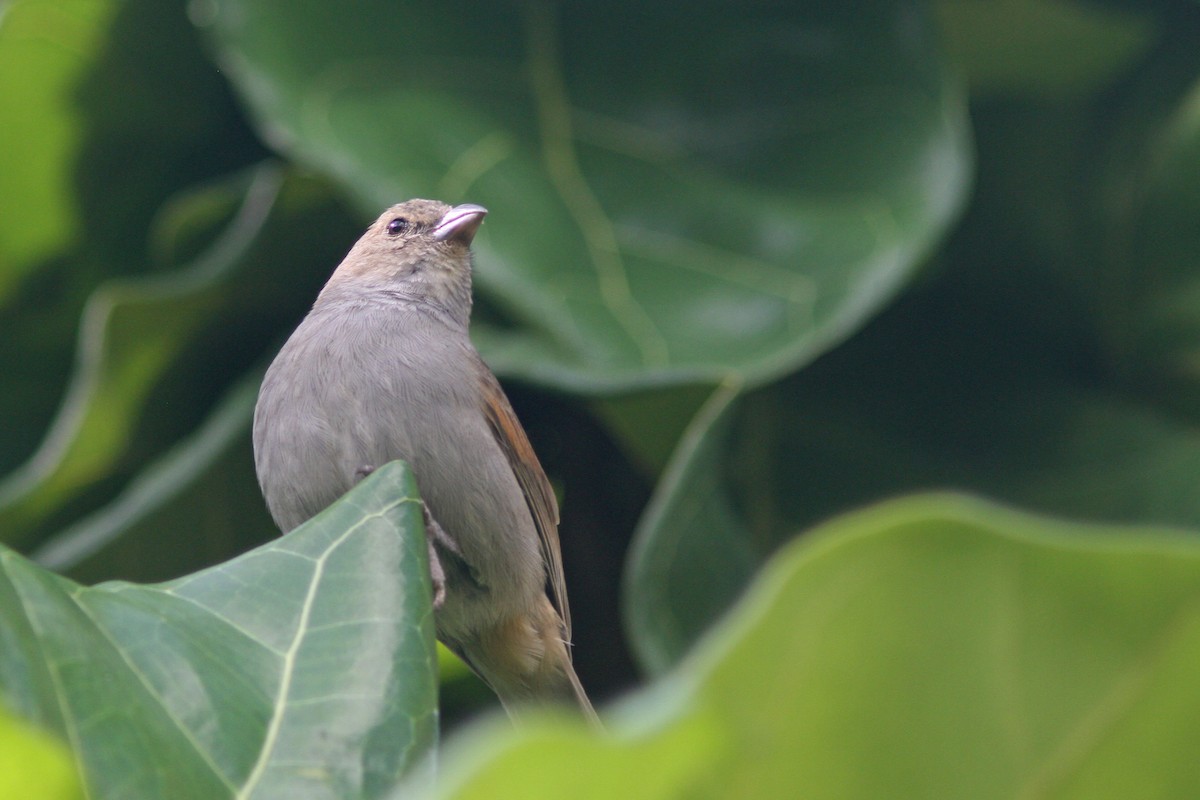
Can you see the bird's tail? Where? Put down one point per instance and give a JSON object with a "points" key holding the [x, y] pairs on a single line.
{"points": [[527, 663], [579, 695]]}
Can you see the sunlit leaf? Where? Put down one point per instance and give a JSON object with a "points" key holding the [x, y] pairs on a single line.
{"points": [[935, 646], [33, 764], [45, 48]]}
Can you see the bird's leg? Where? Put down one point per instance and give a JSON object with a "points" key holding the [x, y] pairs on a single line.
{"points": [[434, 535], [437, 535]]}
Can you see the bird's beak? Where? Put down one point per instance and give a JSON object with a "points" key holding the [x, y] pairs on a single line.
{"points": [[460, 224]]}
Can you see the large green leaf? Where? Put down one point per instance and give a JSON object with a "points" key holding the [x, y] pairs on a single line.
{"points": [[1027, 370], [130, 333], [45, 48], [692, 553], [155, 353], [1083, 213], [112, 110], [305, 668], [203, 491], [676, 192], [935, 646], [917, 401]]}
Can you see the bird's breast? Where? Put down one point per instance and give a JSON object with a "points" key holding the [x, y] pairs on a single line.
{"points": [[378, 388]]}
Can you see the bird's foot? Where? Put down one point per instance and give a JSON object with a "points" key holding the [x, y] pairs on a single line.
{"points": [[435, 536]]}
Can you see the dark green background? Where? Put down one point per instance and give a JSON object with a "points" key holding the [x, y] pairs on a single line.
{"points": [[745, 269]]}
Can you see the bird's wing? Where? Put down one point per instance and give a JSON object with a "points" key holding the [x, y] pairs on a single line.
{"points": [[532, 478]]}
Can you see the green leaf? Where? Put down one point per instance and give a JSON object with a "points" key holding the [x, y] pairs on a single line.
{"points": [[130, 333], [692, 553], [33, 764], [556, 759], [203, 491], [657, 216], [113, 110], [935, 646], [305, 668], [1048, 48], [156, 354], [650, 423], [920, 400], [46, 46], [1147, 251], [1012, 374]]}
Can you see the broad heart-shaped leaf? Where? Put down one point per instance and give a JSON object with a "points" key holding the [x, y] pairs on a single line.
{"points": [[676, 192], [304, 669], [933, 646]]}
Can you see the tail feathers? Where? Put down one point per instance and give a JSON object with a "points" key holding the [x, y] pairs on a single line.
{"points": [[527, 663], [580, 696]]}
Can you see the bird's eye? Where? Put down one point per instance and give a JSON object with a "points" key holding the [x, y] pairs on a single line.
{"points": [[397, 226]]}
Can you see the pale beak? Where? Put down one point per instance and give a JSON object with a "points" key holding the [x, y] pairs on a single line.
{"points": [[460, 224]]}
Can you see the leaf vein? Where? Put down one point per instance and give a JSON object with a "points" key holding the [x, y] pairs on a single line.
{"points": [[562, 164], [289, 662]]}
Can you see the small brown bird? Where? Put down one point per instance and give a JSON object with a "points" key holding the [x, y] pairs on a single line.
{"points": [[382, 369]]}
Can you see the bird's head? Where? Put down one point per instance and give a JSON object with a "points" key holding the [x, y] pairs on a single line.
{"points": [[418, 250]]}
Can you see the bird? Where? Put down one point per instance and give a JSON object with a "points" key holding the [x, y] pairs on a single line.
{"points": [[382, 368]]}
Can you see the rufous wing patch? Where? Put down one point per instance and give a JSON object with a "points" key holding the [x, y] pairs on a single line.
{"points": [[533, 482]]}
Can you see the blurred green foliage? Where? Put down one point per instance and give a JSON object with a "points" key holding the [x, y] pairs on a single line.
{"points": [[745, 271], [33, 764]]}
